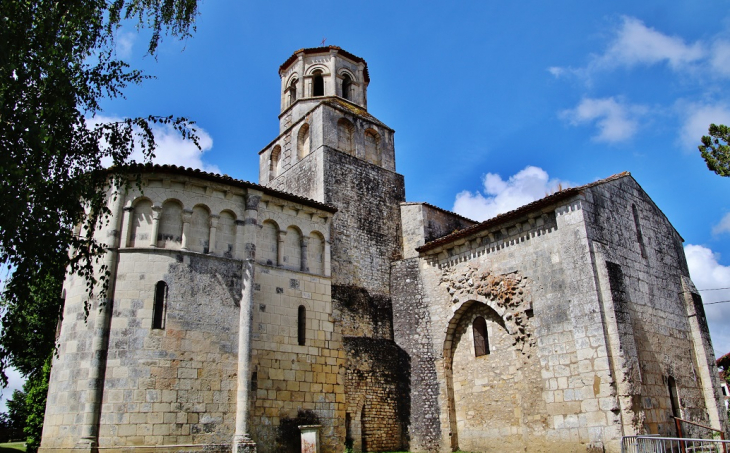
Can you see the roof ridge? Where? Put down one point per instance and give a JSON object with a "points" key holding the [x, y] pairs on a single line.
{"points": [[522, 210]]}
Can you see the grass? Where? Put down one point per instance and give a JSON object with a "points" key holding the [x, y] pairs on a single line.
{"points": [[12, 447]]}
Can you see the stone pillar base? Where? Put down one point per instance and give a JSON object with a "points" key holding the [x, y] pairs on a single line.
{"points": [[243, 444]]}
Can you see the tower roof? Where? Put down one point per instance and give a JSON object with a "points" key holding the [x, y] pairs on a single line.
{"points": [[313, 50]]}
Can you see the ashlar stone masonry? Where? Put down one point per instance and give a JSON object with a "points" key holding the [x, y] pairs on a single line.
{"points": [[237, 312]]}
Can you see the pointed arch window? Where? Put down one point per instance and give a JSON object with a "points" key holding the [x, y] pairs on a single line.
{"points": [[346, 86], [160, 308], [302, 325], [481, 340], [318, 84]]}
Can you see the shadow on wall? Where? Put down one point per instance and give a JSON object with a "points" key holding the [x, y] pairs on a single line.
{"points": [[288, 436]]}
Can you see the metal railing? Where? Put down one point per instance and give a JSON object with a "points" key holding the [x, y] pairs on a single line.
{"points": [[656, 444], [692, 430]]}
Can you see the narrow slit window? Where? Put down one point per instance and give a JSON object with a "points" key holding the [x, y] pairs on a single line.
{"points": [[318, 84], [674, 396], [639, 236], [302, 325], [158, 316], [61, 305], [481, 341]]}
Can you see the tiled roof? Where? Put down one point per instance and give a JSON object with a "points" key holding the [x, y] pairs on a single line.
{"points": [[517, 213], [223, 179], [326, 49]]}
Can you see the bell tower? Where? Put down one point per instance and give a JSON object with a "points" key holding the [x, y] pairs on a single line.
{"points": [[310, 75], [332, 150]]}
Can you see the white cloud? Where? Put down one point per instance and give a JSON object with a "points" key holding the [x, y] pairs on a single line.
{"points": [[616, 121], [708, 273], [720, 58], [124, 41], [500, 196], [636, 44], [723, 226], [15, 382], [696, 121], [557, 71], [171, 148]]}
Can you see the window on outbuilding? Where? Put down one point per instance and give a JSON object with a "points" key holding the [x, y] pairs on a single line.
{"points": [[160, 309], [481, 341], [318, 84], [302, 325]]}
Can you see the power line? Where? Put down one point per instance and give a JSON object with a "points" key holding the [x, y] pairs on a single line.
{"points": [[718, 302], [712, 289]]}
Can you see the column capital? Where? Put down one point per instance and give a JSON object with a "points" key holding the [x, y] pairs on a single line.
{"points": [[253, 198]]}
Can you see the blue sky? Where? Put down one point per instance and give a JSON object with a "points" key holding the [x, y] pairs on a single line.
{"points": [[493, 103]]}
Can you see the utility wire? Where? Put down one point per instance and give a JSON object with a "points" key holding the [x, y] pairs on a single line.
{"points": [[718, 302], [712, 289]]}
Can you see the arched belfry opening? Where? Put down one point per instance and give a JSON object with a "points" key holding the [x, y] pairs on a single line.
{"points": [[346, 87], [292, 91], [317, 83]]}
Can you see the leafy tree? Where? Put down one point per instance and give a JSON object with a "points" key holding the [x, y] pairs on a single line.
{"points": [[57, 63], [715, 149]]}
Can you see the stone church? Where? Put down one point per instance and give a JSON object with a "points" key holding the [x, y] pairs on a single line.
{"points": [[319, 297]]}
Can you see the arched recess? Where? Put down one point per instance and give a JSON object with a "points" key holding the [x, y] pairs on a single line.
{"points": [[169, 235], [372, 147], [141, 223], [478, 397], [345, 133], [353, 429], [199, 229], [315, 253], [225, 238], [293, 249], [303, 140], [267, 243], [274, 162]]}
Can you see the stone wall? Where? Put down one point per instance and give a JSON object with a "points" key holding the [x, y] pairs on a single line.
{"points": [[291, 377], [423, 223], [175, 383], [641, 264], [366, 230], [361, 315], [413, 333], [546, 384]]}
